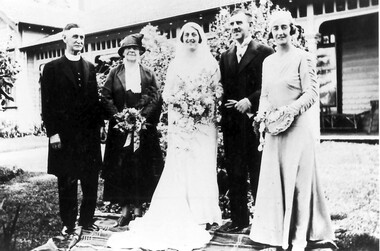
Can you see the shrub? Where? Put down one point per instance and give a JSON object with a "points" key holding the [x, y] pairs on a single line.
{"points": [[260, 11], [37, 201], [10, 129], [7, 174], [8, 71]]}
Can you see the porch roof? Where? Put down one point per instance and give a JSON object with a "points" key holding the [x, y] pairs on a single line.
{"points": [[117, 14], [31, 12]]}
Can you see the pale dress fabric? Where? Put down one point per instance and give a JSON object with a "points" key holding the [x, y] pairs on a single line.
{"points": [[290, 207], [186, 197]]}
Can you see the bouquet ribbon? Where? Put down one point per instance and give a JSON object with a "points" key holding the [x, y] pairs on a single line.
{"points": [[136, 140]]}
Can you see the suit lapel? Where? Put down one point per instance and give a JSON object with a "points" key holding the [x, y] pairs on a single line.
{"points": [[143, 79], [232, 59], [248, 56], [121, 76], [68, 71]]}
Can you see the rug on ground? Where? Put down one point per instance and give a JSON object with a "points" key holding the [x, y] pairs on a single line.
{"points": [[97, 240]]}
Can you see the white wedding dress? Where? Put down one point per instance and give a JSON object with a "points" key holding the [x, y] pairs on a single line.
{"points": [[186, 197]]}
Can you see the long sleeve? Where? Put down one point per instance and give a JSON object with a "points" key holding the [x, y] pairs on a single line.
{"points": [[264, 104], [50, 114], [109, 106], [152, 109], [309, 85]]}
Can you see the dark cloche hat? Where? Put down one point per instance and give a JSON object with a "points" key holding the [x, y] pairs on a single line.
{"points": [[131, 40]]}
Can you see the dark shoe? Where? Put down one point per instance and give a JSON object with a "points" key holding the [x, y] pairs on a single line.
{"points": [[123, 221], [212, 226], [91, 227], [75, 237], [66, 231], [233, 228]]}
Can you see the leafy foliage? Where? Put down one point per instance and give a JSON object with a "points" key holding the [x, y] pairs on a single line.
{"points": [[159, 52], [260, 11], [7, 174], [349, 178], [37, 201], [10, 129], [8, 72], [220, 27]]}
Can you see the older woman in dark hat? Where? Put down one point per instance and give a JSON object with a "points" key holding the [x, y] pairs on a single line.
{"points": [[130, 175]]}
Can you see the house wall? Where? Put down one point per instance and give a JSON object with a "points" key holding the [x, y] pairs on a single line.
{"points": [[359, 53], [360, 63], [30, 35]]}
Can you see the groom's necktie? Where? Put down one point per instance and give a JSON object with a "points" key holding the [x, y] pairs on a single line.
{"points": [[240, 49]]}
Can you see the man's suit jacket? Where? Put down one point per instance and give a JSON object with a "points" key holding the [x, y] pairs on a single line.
{"points": [[241, 80], [73, 112]]}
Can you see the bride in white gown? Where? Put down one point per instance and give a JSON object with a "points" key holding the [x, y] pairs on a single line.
{"points": [[186, 197]]}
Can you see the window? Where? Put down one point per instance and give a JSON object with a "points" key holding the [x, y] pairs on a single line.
{"points": [[318, 8], [363, 3], [340, 5], [303, 11], [329, 6], [293, 11], [206, 27], [352, 4]]}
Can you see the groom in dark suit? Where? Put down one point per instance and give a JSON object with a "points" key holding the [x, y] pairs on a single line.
{"points": [[71, 114], [241, 67]]}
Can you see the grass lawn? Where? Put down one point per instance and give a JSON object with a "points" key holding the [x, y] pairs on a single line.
{"points": [[349, 174]]}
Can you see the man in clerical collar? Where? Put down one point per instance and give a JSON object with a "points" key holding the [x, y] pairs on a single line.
{"points": [[72, 118]]}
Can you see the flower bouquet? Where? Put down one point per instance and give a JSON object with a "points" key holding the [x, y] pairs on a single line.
{"points": [[130, 121], [196, 100], [274, 122]]}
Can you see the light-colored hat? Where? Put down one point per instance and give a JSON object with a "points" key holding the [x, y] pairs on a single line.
{"points": [[280, 14]]}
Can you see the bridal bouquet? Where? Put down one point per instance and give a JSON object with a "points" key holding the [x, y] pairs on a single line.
{"points": [[130, 121], [196, 100]]}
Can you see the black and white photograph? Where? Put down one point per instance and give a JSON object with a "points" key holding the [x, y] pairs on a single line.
{"points": [[189, 125]]}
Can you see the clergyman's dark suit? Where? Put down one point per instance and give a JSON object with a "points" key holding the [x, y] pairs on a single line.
{"points": [[241, 80], [70, 108]]}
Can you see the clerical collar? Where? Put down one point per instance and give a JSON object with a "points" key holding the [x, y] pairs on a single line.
{"points": [[72, 57]]}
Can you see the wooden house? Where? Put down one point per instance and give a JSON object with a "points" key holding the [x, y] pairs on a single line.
{"points": [[342, 33]]}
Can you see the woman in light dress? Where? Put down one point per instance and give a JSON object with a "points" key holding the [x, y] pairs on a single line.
{"points": [[186, 197], [290, 210]]}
